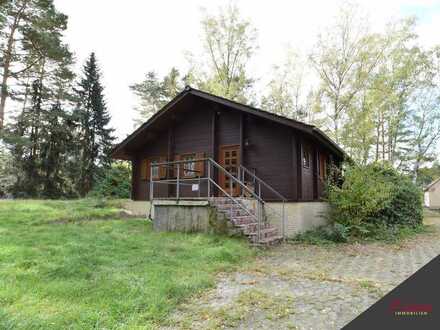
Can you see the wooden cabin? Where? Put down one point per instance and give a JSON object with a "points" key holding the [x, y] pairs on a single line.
{"points": [[290, 156]]}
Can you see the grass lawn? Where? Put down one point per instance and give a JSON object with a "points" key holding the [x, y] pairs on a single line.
{"points": [[60, 269]]}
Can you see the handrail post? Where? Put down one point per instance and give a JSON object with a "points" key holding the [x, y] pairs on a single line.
{"points": [[230, 191], [259, 189], [284, 220], [259, 221], [239, 178], [208, 164], [230, 186], [151, 184], [178, 181]]}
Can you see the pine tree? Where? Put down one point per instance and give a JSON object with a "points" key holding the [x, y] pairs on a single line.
{"points": [[57, 141], [30, 33], [154, 93], [25, 146], [95, 137]]}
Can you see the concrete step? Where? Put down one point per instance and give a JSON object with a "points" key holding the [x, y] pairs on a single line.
{"points": [[252, 227], [268, 241], [221, 202], [246, 223], [243, 220], [229, 206], [235, 213], [266, 232]]}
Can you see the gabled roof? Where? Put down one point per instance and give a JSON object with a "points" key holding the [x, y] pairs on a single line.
{"points": [[433, 183], [303, 127]]}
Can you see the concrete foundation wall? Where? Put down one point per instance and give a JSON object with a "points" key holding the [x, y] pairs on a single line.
{"points": [[187, 216], [301, 216], [193, 215]]}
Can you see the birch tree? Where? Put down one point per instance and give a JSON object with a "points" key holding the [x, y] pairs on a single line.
{"points": [[287, 91], [424, 128], [229, 42], [344, 57]]}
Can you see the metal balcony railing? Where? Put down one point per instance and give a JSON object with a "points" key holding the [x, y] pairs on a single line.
{"points": [[213, 188]]}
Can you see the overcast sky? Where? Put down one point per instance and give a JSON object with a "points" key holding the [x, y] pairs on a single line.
{"points": [[132, 37]]}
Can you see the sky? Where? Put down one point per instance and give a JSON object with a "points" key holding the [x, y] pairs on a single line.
{"points": [[133, 37]]}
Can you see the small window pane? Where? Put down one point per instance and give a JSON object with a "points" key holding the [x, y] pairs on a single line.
{"points": [[189, 168], [306, 158], [155, 169]]}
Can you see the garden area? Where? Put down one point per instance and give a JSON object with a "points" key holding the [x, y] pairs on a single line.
{"points": [[82, 264]]}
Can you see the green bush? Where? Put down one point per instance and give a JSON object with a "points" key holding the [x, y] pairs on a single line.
{"points": [[115, 183], [374, 198], [334, 233]]}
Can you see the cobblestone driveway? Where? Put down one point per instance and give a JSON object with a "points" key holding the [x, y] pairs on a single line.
{"points": [[308, 287]]}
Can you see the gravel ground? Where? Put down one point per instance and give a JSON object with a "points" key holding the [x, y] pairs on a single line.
{"points": [[307, 287]]}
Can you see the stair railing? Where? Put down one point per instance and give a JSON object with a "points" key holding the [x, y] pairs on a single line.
{"points": [[261, 204], [243, 171]]}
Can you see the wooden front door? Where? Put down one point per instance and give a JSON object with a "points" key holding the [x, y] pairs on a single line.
{"points": [[229, 159]]}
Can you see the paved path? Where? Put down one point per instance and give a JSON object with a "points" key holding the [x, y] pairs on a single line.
{"points": [[308, 287]]}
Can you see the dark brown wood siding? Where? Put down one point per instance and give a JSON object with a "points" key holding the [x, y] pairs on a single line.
{"points": [[193, 134], [158, 148], [273, 150], [228, 128], [190, 134], [270, 154]]}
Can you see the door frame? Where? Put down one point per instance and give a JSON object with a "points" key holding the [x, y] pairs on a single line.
{"points": [[222, 177]]}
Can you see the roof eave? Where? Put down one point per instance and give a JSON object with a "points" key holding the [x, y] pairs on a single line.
{"points": [[118, 148], [119, 153], [333, 145]]}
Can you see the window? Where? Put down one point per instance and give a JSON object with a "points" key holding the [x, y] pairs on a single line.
{"points": [[306, 157], [157, 172], [189, 168], [154, 169]]}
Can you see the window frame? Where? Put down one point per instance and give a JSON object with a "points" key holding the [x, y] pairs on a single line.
{"points": [[192, 171], [306, 160], [154, 160]]}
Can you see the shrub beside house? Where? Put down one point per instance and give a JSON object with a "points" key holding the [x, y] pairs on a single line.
{"points": [[373, 202]]}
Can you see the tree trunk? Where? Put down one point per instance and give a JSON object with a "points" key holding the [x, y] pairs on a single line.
{"points": [[7, 58], [377, 140], [383, 139], [6, 65]]}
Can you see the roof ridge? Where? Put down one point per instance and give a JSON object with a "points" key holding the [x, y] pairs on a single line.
{"points": [[296, 124], [247, 105]]}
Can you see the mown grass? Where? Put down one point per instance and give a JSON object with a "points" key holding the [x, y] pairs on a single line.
{"points": [[60, 269]]}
